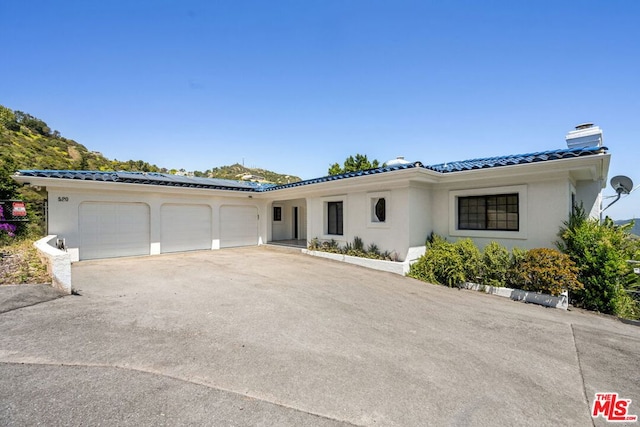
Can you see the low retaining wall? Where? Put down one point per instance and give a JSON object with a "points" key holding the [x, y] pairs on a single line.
{"points": [[561, 301], [401, 268], [58, 263]]}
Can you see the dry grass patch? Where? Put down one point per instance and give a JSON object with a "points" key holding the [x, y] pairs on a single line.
{"points": [[20, 264]]}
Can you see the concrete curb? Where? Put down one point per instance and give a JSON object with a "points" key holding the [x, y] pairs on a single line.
{"points": [[561, 301]]}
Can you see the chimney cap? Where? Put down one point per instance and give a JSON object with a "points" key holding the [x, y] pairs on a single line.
{"points": [[586, 125]]}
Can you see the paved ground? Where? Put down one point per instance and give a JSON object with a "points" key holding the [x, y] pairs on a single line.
{"points": [[256, 336], [18, 296]]}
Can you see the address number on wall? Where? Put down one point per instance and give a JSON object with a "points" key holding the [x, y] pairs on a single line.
{"points": [[63, 199]]}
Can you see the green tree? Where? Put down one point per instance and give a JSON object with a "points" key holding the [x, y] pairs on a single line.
{"points": [[6, 116], [33, 123], [8, 186], [353, 164]]}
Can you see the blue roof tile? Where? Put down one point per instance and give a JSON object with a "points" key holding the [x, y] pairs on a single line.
{"points": [[515, 159], [153, 178]]}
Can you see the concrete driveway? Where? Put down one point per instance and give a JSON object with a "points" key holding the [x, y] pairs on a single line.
{"points": [[258, 336]]}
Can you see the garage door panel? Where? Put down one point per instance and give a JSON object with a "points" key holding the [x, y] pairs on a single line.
{"points": [[185, 227], [238, 226], [110, 229]]}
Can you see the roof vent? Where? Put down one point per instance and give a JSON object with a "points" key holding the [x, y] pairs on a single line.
{"points": [[398, 161], [585, 135]]}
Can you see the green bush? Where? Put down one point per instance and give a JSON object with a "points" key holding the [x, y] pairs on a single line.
{"points": [[331, 246], [471, 259], [441, 264], [601, 252], [353, 249], [495, 264], [314, 244], [515, 264], [358, 244], [548, 271]]}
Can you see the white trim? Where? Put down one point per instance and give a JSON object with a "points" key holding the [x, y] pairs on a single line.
{"points": [[325, 218], [490, 234]]}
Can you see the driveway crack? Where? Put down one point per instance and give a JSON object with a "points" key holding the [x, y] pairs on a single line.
{"points": [[584, 385]]}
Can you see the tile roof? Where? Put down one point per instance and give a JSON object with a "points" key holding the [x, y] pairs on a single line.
{"points": [[516, 159], [464, 165], [154, 178]]}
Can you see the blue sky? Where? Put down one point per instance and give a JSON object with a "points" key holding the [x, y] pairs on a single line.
{"points": [[294, 86]]}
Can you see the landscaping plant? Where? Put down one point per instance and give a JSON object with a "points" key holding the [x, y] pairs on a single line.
{"points": [[471, 259], [441, 263], [515, 265], [548, 271], [601, 251], [495, 264], [356, 249]]}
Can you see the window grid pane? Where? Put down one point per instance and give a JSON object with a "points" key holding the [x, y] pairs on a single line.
{"points": [[495, 212]]}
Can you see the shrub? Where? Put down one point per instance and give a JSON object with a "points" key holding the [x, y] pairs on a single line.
{"points": [[471, 259], [314, 244], [495, 264], [601, 252], [441, 264], [358, 244], [373, 249], [353, 249], [548, 271], [515, 264], [331, 246]]}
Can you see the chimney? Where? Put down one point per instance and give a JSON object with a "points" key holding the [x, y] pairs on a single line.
{"points": [[585, 135]]}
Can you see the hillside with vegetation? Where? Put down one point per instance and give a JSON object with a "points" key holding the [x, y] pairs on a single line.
{"points": [[238, 171], [27, 142]]}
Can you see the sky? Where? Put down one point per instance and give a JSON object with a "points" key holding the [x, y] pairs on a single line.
{"points": [[294, 86]]}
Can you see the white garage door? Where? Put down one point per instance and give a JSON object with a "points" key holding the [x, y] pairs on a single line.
{"points": [[185, 228], [238, 226], [113, 229]]}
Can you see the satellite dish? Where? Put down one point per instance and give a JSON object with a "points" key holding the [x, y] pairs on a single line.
{"points": [[622, 184]]}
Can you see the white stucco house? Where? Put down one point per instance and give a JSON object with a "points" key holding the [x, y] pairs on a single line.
{"points": [[517, 200]]}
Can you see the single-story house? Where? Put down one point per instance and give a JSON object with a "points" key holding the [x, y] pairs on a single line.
{"points": [[517, 200]]}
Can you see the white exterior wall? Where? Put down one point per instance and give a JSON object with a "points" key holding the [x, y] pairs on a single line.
{"points": [[544, 205], [588, 192], [393, 235], [64, 207], [284, 229], [421, 212]]}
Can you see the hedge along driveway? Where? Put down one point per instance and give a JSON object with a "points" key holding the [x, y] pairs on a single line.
{"points": [[253, 335]]}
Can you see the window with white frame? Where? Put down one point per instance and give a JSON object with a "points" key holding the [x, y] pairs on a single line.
{"points": [[490, 212], [379, 204]]}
